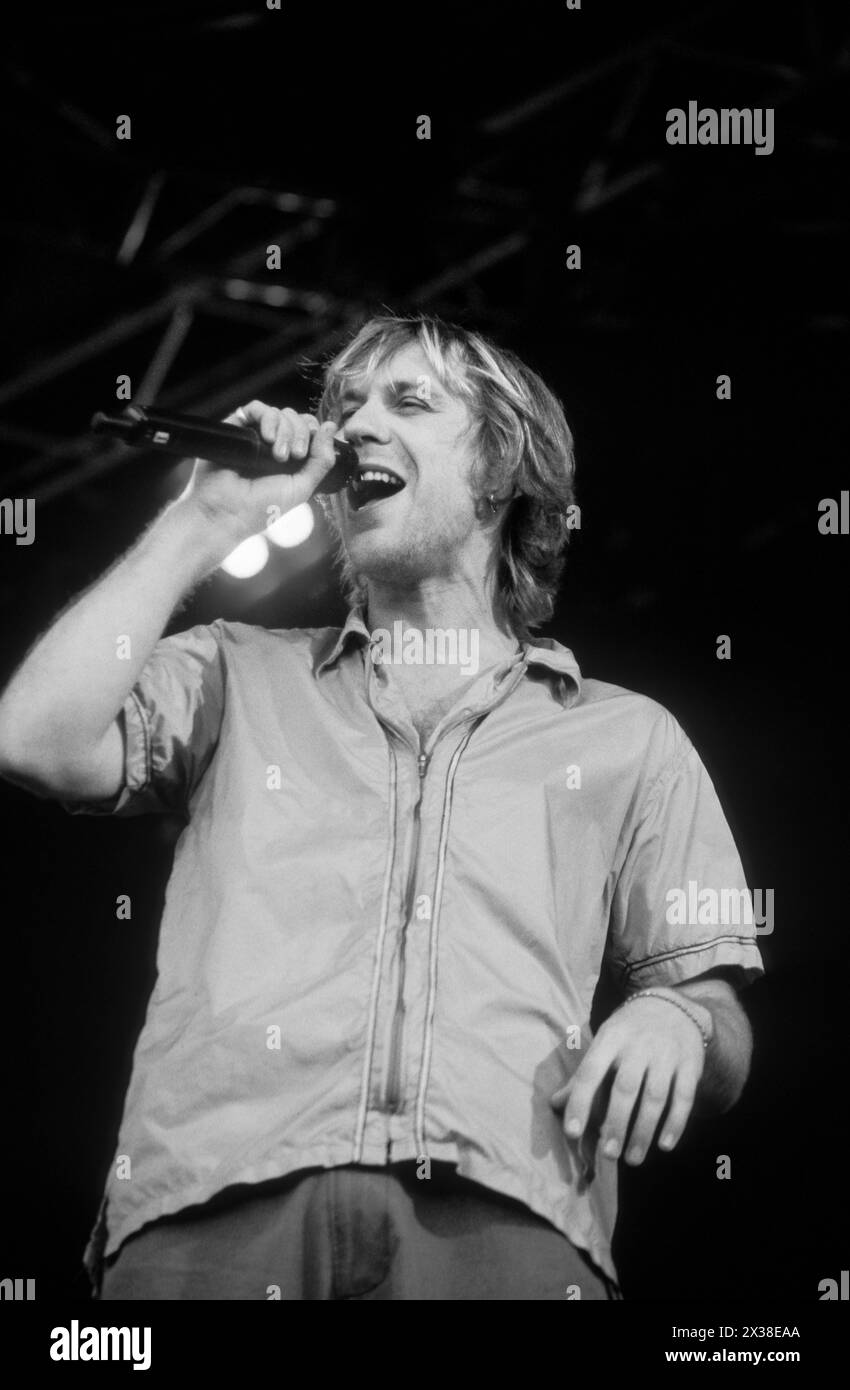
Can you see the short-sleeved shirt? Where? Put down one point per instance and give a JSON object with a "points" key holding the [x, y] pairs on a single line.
{"points": [[371, 952]]}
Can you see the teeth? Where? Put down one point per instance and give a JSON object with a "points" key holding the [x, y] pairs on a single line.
{"points": [[358, 485], [376, 475]]}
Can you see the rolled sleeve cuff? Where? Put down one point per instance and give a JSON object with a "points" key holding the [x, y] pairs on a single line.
{"points": [[674, 967], [137, 763]]}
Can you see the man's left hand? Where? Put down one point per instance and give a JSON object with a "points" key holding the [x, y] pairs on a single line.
{"points": [[647, 1058]]}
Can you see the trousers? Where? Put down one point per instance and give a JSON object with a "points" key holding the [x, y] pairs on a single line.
{"points": [[355, 1233]]}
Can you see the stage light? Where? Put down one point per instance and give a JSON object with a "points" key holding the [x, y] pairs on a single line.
{"points": [[247, 559], [293, 527]]}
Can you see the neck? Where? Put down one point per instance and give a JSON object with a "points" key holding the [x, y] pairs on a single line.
{"points": [[469, 609]]}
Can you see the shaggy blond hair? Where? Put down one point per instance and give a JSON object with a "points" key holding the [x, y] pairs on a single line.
{"points": [[523, 451]]}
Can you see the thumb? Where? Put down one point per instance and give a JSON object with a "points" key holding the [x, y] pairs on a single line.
{"points": [[559, 1100], [322, 457]]}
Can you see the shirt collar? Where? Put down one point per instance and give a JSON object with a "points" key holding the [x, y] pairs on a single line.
{"points": [[545, 651], [354, 627], [542, 651]]}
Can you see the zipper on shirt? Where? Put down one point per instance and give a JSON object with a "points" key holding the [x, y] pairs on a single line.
{"points": [[428, 1040], [393, 1097]]}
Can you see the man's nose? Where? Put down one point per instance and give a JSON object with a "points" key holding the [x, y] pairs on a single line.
{"points": [[367, 422]]}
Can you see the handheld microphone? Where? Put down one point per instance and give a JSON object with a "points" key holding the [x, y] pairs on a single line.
{"points": [[240, 447]]}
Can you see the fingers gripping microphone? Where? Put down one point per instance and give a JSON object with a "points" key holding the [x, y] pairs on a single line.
{"points": [[240, 447]]}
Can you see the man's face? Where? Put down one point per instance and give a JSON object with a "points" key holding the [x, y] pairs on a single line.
{"points": [[401, 419]]}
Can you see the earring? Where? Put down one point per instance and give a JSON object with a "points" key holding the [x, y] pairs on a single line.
{"points": [[494, 506]]}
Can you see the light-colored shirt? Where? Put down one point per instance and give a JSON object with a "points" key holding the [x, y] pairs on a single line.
{"points": [[370, 955]]}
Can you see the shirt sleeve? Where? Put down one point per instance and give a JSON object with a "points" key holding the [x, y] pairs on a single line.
{"points": [[170, 721], [681, 905]]}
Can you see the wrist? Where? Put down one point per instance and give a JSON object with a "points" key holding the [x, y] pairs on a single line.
{"points": [[197, 542], [699, 1014]]}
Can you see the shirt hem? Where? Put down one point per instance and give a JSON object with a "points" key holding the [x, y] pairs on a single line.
{"points": [[105, 1241]]}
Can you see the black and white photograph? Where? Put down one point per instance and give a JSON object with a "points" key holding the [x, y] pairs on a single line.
{"points": [[425, 513]]}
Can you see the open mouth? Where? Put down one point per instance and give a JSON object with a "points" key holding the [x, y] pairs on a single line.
{"points": [[372, 485]]}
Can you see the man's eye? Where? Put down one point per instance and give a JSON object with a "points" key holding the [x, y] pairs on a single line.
{"points": [[403, 401]]}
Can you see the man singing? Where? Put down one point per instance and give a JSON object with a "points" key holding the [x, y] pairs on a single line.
{"points": [[367, 1069]]}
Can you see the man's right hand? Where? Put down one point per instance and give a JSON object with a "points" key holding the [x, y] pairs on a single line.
{"points": [[235, 506], [60, 733]]}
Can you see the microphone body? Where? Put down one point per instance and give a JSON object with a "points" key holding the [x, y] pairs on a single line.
{"points": [[240, 447]]}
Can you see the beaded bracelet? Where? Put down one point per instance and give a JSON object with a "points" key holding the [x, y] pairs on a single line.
{"points": [[653, 994]]}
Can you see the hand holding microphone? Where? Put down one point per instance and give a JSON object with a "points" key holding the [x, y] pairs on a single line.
{"points": [[292, 439], [238, 486]]}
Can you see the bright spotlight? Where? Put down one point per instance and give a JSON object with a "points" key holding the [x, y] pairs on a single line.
{"points": [[247, 559], [293, 527]]}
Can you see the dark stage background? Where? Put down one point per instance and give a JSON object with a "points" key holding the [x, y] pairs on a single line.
{"points": [[700, 516]]}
